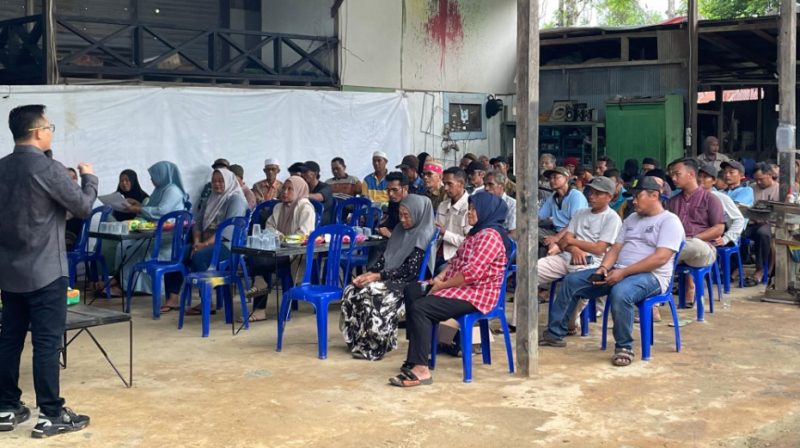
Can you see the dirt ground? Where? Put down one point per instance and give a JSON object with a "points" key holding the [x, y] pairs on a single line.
{"points": [[733, 385]]}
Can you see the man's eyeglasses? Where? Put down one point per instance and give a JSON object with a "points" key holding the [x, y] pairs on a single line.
{"points": [[52, 128], [394, 190]]}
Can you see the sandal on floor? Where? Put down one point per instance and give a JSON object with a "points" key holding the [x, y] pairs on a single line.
{"points": [[167, 309], [409, 379], [623, 357], [197, 311], [750, 282]]}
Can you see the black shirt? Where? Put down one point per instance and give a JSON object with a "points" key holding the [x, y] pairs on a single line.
{"points": [[327, 201]]}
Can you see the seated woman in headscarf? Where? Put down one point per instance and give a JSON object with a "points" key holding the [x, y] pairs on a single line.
{"points": [[471, 283], [129, 188], [226, 201], [373, 303], [293, 215], [168, 196]]}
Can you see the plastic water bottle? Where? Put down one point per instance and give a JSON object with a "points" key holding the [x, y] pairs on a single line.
{"points": [[726, 301]]}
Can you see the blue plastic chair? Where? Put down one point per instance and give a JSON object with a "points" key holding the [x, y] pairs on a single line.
{"points": [[724, 255], [91, 259], [261, 212], [351, 204], [372, 218], [221, 275], [467, 321], [319, 295], [428, 251], [319, 209], [703, 277], [157, 268], [646, 316], [588, 313]]}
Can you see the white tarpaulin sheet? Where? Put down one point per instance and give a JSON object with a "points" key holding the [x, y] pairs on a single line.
{"points": [[133, 127]]}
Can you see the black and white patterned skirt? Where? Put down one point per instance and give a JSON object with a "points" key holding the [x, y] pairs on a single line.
{"points": [[369, 320]]}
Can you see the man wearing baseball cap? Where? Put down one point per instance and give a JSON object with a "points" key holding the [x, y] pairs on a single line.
{"points": [[410, 167], [637, 266], [702, 217], [238, 171], [268, 188], [475, 172], [734, 174], [590, 233], [374, 186], [432, 174], [557, 210], [734, 220]]}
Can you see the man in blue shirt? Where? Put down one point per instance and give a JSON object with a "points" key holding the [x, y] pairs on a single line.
{"points": [[557, 210], [740, 193]]}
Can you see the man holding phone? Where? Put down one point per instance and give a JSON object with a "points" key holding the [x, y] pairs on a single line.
{"points": [[590, 232], [639, 265]]}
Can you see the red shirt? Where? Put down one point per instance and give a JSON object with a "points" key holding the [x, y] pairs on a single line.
{"points": [[698, 212], [481, 259]]}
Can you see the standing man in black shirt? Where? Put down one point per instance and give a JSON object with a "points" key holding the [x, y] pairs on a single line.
{"points": [[37, 193]]}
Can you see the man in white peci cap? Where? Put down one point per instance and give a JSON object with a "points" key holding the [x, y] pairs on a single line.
{"points": [[268, 188], [375, 184]]}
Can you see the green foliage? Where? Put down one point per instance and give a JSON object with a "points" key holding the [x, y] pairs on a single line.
{"points": [[729, 9], [625, 12]]}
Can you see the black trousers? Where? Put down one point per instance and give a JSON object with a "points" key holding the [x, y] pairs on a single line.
{"points": [[761, 236], [264, 267], [45, 312], [422, 313]]}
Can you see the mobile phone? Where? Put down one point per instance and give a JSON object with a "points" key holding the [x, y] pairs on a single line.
{"points": [[597, 277]]}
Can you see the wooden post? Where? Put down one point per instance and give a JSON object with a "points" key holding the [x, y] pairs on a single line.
{"points": [[50, 65], [526, 157], [692, 151], [787, 64]]}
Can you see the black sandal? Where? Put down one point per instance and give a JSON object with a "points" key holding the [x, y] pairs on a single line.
{"points": [[623, 357], [409, 379]]}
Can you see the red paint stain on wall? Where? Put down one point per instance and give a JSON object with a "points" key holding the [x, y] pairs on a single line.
{"points": [[444, 26]]}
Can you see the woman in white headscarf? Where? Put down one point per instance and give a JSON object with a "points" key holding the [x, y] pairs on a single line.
{"points": [[293, 215], [373, 303], [226, 201]]}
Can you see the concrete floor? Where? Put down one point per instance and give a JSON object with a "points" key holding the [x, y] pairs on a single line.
{"points": [[735, 384]]}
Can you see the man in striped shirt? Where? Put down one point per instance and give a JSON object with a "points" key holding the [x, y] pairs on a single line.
{"points": [[374, 186]]}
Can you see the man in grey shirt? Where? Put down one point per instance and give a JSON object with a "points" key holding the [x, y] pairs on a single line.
{"points": [[37, 193]]}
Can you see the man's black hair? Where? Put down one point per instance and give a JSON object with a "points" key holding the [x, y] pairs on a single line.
{"points": [[689, 163], [763, 167], [456, 172], [613, 172], [339, 160], [23, 118], [609, 162], [397, 176]]}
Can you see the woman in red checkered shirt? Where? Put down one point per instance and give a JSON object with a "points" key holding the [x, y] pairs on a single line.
{"points": [[470, 283]]}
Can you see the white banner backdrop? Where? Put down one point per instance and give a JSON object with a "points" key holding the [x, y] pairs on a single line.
{"points": [[133, 127]]}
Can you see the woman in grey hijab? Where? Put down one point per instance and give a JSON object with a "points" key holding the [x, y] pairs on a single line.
{"points": [[373, 303]]}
